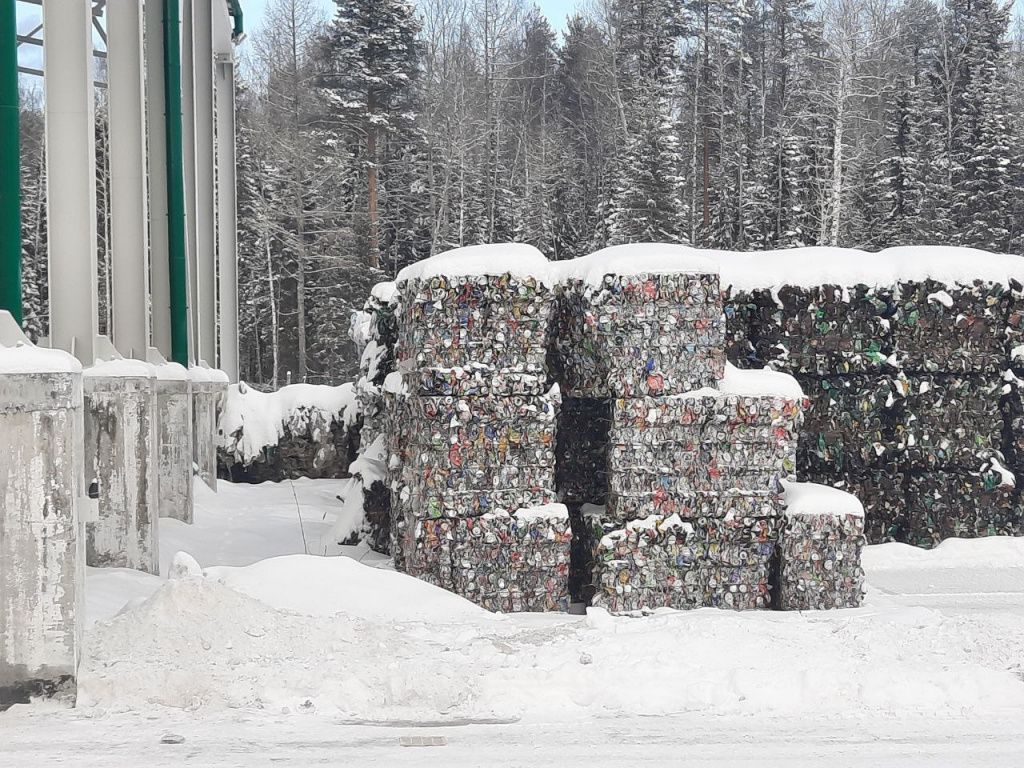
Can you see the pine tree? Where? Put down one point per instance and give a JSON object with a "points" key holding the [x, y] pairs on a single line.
{"points": [[371, 62]]}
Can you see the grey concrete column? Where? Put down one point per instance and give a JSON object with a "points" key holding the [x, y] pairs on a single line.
{"points": [[174, 414], [160, 279], [70, 175], [42, 566], [204, 424], [128, 206], [122, 465]]}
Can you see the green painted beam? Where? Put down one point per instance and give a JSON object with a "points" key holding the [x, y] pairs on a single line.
{"points": [[177, 264], [239, 25], [10, 164]]}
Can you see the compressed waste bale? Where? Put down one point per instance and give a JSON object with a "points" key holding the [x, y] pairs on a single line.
{"points": [[961, 504], [468, 456], [1011, 407], [946, 328], [638, 320], [479, 306], [883, 493], [820, 549], [849, 426], [825, 329], [582, 450], [742, 311], [503, 562], [668, 454], [661, 562], [948, 421]]}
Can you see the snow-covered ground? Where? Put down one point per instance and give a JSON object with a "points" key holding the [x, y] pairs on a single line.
{"points": [[304, 659]]}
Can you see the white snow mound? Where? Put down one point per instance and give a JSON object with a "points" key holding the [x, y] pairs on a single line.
{"points": [[325, 586]]}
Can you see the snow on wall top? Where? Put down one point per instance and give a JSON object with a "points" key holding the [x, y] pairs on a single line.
{"points": [[811, 267], [517, 259], [171, 371], [252, 420], [122, 368], [815, 499], [28, 358], [200, 374], [751, 383], [634, 259]]}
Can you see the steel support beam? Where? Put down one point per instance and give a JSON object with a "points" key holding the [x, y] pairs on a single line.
{"points": [[128, 208], [227, 225], [205, 259], [156, 110], [71, 175]]}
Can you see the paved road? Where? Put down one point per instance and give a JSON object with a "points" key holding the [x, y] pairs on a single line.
{"points": [[246, 740]]}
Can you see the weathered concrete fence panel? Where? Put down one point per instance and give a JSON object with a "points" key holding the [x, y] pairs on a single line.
{"points": [[122, 465], [41, 558]]}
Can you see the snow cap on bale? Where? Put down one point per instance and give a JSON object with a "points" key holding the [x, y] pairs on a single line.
{"points": [[816, 499], [635, 259], [743, 382], [811, 267], [517, 259]]}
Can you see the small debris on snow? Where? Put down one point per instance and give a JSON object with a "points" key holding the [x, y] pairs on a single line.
{"points": [[423, 741], [172, 738]]}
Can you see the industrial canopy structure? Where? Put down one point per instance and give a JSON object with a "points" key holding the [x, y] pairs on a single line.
{"points": [[170, 95]]}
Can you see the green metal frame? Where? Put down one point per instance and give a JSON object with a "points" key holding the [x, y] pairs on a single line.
{"points": [[10, 164], [177, 266]]}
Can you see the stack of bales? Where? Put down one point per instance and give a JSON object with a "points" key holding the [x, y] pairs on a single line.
{"points": [[902, 354], [696, 479], [472, 436], [693, 472]]}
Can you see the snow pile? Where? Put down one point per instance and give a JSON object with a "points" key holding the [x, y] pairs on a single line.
{"points": [[251, 421], [327, 586], [951, 554], [516, 259], [303, 634]]}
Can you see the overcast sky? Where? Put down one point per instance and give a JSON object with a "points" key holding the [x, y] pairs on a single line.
{"points": [[556, 11]]}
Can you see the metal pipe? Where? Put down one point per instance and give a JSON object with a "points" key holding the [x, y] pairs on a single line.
{"points": [[10, 164], [177, 261]]}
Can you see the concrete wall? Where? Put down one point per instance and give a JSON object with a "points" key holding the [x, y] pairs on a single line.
{"points": [[122, 466], [41, 557], [174, 414]]}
